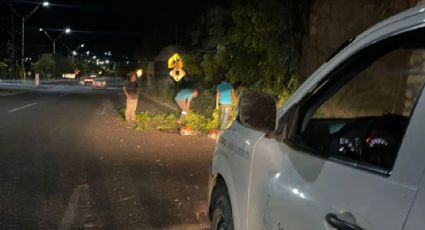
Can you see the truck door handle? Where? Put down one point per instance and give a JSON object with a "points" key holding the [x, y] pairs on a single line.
{"points": [[339, 224]]}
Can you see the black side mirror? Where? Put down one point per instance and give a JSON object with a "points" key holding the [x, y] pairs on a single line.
{"points": [[258, 111]]}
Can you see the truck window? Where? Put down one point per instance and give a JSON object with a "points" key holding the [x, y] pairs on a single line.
{"points": [[361, 116]]}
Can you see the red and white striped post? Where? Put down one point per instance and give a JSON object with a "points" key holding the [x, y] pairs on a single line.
{"points": [[37, 80]]}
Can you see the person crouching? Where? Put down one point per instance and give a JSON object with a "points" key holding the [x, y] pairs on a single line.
{"points": [[183, 99]]}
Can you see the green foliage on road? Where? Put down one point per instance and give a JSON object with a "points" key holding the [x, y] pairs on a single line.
{"points": [[199, 122], [162, 121]]}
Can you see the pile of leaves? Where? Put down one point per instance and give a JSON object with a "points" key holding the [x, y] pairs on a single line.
{"points": [[199, 122], [162, 121]]}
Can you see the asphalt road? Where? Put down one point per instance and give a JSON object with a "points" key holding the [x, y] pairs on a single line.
{"points": [[68, 162]]}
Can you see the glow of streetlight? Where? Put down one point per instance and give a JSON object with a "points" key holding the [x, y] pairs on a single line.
{"points": [[40, 29], [82, 45], [94, 57], [88, 52], [74, 53], [67, 30], [139, 72], [46, 4]]}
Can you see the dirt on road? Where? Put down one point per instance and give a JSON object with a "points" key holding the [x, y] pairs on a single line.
{"points": [[143, 179]]}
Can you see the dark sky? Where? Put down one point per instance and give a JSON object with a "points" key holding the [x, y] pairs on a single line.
{"points": [[103, 25]]}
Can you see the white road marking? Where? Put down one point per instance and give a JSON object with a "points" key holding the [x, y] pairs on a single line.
{"points": [[22, 107], [70, 212]]}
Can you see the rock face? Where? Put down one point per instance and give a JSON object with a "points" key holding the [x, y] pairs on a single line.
{"points": [[334, 21]]}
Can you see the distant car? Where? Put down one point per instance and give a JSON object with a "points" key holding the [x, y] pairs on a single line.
{"points": [[88, 81], [98, 84]]}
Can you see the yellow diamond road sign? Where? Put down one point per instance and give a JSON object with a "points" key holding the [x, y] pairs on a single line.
{"points": [[177, 74], [175, 61]]}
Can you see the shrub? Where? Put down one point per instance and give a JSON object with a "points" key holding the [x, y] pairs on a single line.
{"points": [[161, 121], [146, 121]]}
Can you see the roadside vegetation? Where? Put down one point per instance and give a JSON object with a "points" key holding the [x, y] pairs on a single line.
{"points": [[161, 121], [258, 50]]}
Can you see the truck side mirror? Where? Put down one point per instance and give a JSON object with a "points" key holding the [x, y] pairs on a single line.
{"points": [[258, 111]]}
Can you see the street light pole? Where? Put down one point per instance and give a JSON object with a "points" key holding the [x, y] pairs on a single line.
{"points": [[24, 18], [23, 46], [53, 40], [75, 51]]}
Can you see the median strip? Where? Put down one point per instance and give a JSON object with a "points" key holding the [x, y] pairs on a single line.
{"points": [[22, 107]]}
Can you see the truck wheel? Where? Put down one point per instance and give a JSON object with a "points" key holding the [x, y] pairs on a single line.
{"points": [[222, 218]]}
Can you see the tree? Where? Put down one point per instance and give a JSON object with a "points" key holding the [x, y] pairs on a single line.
{"points": [[45, 65], [192, 64], [261, 49], [64, 64]]}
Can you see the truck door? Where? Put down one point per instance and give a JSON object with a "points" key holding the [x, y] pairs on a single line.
{"points": [[351, 159]]}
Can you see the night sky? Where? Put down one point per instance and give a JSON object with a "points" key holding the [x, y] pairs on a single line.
{"points": [[119, 26]]}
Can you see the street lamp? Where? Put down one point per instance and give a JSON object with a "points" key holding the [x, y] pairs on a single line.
{"points": [[79, 47], [24, 18], [75, 51], [53, 40]]}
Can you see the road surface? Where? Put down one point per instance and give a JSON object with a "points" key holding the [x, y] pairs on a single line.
{"points": [[68, 162]]}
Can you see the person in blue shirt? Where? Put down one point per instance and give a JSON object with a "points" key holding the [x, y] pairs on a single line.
{"points": [[183, 99], [226, 97]]}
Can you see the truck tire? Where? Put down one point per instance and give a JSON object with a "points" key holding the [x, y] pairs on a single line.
{"points": [[222, 218]]}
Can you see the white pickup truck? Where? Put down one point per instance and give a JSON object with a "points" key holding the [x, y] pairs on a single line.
{"points": [[346, 152]]}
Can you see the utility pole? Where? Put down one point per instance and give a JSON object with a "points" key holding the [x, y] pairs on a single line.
{"points": [[177, 28], [24, 18], [23, 47], [12, 35], [53, 40]]}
